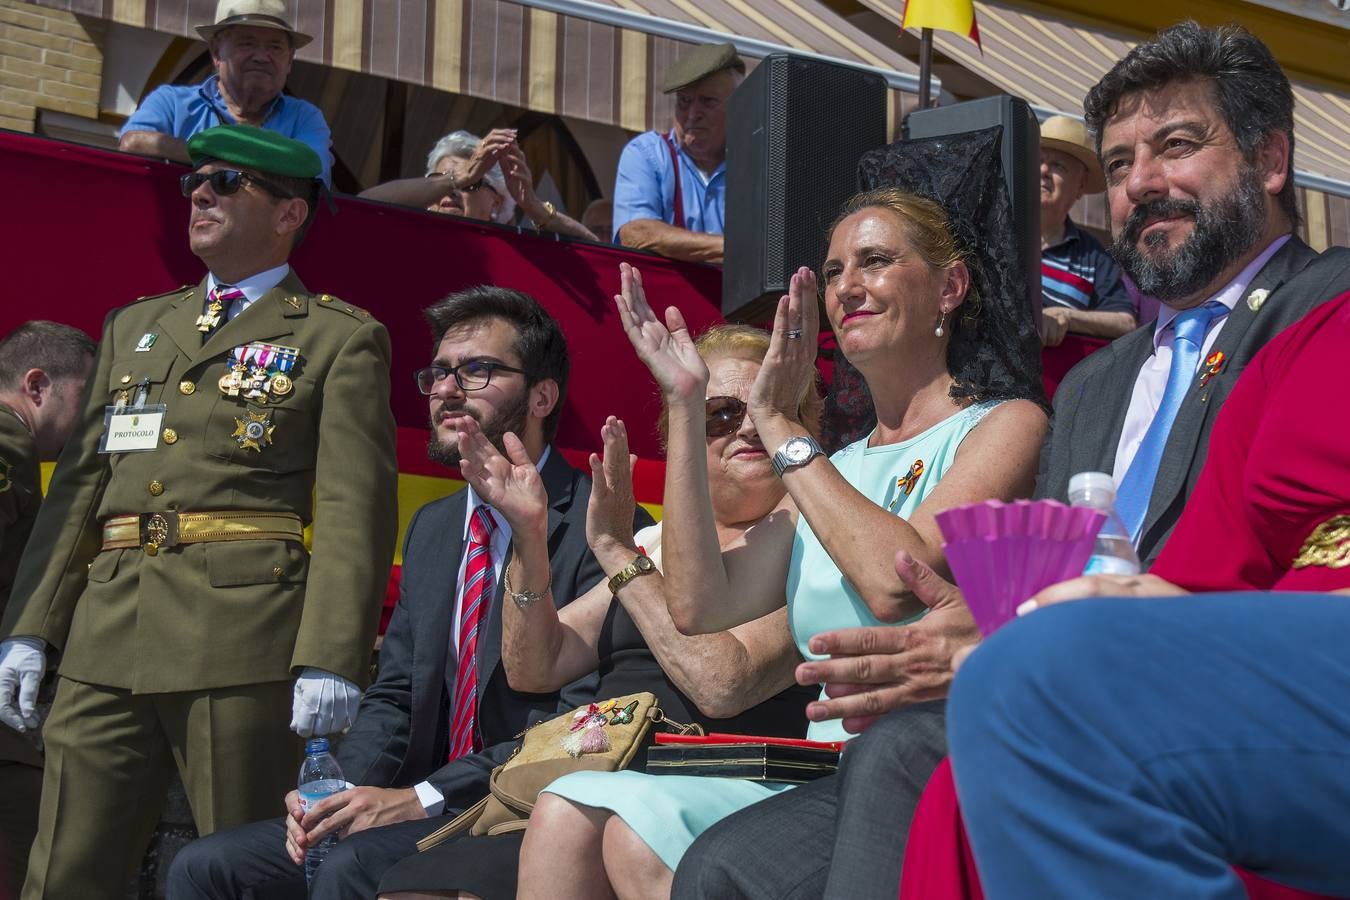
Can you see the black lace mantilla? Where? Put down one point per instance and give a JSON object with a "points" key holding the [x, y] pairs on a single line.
{"points": [[995, 353]]}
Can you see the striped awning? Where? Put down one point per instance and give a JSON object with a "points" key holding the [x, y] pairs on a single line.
{"points": [[599, 61], [1053, 63]]}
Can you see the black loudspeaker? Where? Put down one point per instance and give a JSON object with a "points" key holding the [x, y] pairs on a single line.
{"points": [[795, 130], [1020, 150]]}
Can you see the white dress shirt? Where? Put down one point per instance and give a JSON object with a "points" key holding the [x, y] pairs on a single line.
{"points": [[253, 287], [1152, 379], [431, 799]]}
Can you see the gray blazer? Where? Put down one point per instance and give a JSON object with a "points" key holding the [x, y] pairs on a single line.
{"points": [[1091, 402]]}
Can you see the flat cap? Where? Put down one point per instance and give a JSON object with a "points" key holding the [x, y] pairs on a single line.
{"points": [[260, 149], [699, 63]]}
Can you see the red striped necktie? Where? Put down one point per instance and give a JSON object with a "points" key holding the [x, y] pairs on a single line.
{"points": [[478, 590], [218, 303]]}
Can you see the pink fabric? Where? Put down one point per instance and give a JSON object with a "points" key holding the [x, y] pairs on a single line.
{"points": [[939, 864]]}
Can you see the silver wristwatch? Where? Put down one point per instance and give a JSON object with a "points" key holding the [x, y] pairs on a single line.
{"points": [[796, 451]]}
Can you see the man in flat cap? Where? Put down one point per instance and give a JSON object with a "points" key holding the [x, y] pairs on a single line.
{"points": [[1081, 288], [168, 570], [252, 47], [670, 192]]}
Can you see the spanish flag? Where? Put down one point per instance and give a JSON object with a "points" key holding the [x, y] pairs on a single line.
{"points": [[947, 15]]}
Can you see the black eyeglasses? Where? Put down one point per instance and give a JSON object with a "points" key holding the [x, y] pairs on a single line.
{"points": [[723, 415], [470, 375], [225, 182]]}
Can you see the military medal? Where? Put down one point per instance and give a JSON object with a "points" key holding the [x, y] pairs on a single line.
{"points": [[211, 318], [1213, 366], [253, 432], [260, 372]]}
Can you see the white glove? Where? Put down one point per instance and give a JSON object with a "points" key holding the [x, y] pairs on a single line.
{"points": [[23, 660], [323, 703]]}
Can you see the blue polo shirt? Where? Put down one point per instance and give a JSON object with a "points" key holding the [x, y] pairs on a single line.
{"points": [[645, 187], [182, 110], [1078, 272]]}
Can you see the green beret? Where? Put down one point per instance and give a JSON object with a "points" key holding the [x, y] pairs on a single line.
{"points": [[699, 63], [260, 149]]}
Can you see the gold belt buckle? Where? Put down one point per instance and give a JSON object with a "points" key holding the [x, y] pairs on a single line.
{"points": [[159, 530]]}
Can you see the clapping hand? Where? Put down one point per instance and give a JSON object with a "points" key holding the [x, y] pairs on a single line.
{"points": [[488, 153], [789, 368], [509, 484], [609, 516], [519, 178], [667, 350]]}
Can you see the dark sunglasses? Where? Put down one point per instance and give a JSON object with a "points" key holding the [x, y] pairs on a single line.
{"points": [[225, 182], [468, 188], [723, 415]]}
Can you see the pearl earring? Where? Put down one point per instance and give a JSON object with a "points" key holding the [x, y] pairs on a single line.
{"points": [[940, 331]]}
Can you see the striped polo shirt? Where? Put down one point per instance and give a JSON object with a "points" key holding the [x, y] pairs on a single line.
{"points": [[1078, 272]]}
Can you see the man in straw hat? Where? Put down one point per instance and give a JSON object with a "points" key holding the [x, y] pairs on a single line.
{"points": [[670, 191], [167, 569], [252, 47], [1080, 283]]}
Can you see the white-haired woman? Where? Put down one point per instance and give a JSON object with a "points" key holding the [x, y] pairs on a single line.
{"points": [[479, 178]]}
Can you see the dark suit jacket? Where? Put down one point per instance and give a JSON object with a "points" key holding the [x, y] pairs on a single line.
{"points": [[1091, 402], [401, 733]]}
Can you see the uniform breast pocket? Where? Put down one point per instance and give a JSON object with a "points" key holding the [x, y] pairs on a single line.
{"points": [[279, 434], [139, 375]]}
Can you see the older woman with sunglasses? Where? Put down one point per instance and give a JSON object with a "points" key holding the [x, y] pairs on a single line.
{"points": [[479, 178], [943, 349], [736, 676]]}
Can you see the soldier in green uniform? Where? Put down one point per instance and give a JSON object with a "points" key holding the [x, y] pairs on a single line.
{"points": [[168, 570], [43, 369]]}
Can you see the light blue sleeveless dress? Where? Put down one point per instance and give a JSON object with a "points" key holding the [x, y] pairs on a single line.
{"points": [[669, 811]]}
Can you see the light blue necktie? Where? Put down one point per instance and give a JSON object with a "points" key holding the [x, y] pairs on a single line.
{"points": [[1136, 488]]}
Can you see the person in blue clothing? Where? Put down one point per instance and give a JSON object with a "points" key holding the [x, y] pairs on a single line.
{"points": [[252, 47], [670, 191]]}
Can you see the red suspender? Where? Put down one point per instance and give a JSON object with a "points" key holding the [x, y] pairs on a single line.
{"points": [[679, 196]]}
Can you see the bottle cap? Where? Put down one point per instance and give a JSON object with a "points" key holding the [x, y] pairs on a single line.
{"points": [[1092, 481], [316, 745]]}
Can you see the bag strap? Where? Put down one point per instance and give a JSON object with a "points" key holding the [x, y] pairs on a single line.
{"points": [[462, 822], [679, 195]]}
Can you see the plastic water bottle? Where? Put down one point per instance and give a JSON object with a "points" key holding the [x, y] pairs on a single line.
{"points": [[1114, 553], [320, 777]]}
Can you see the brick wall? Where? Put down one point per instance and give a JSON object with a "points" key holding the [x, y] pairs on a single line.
{"points": [[49, 59]]}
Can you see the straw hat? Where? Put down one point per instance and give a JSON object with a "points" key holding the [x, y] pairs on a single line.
{"points": [[257, 13], [1070, 136]]}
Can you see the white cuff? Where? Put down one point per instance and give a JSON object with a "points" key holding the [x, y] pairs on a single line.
{"points": [[432, 800]]}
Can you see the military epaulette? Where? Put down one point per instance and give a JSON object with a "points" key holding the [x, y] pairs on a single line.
{"points": [[328, 301], [177, 290]]}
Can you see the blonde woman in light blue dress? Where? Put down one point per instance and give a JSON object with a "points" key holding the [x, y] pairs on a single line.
{"points": [[902, 297]]}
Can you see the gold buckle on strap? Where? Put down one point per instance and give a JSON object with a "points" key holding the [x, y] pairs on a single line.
{"points": [[1328, 545], [157, 531]]}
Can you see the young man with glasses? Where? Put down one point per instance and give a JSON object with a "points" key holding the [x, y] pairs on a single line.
{"points": [[168, 568], [440, 714]]}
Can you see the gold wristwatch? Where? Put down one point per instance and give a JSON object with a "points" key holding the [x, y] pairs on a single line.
{"points": [[641, 565]]}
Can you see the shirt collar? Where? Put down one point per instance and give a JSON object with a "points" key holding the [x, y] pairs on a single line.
{"points": [[474, 501], [1230, 294], [254, 286], [1071, 233], [679, 148], [210, 92]]}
